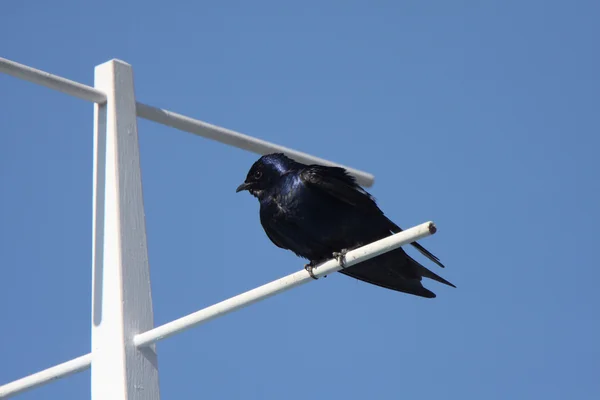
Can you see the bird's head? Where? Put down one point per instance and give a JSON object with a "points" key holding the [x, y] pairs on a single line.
{"points": [[265, 173]]}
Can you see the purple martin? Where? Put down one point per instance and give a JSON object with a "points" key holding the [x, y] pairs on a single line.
{"points": [[319, 212]]}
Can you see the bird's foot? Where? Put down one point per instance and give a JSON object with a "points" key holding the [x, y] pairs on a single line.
{"points": [[341, 257], [309, 267]]}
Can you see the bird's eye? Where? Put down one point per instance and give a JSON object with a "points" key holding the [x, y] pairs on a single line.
{"points": [[258, 174]]}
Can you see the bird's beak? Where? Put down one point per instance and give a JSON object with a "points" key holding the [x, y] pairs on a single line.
{"points": [[243, 186]]}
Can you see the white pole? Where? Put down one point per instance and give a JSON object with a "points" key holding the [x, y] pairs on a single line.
{"points": [[353, 257], [121, 297]]}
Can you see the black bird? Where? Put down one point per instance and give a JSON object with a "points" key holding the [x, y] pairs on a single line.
{"points": [[318, 211]]}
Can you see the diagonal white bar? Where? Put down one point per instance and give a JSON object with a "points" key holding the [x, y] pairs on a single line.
{"points": [[51, 81], [237, 139], [121, 293], [40, 378], [235, 303], [353, 257]]}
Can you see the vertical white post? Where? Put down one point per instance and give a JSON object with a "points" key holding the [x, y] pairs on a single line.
{"points": [[121, 297]]}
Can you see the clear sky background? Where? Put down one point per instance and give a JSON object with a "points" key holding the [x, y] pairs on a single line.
{"points": [[480, 116]]}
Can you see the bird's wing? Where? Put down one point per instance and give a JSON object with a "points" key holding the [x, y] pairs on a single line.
{"points": [[336, 182], [288, 235]]}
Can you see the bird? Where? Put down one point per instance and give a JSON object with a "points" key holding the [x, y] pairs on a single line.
{"points": [[320, 212]]}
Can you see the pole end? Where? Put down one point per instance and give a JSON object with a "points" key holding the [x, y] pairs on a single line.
{"points": [[432, 228]]}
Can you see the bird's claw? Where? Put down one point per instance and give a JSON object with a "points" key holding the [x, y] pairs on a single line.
{"points": [[341, 257], [309, 267]]}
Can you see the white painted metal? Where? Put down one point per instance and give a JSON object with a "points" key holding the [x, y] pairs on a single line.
{"points": [[280, 285], [172, 119], [61, 84], [121, 295], [235, 303], [237, 139], [50, 374]]}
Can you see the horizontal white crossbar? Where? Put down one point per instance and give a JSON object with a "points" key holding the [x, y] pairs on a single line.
{"points": [[40, 378], [296, 279], [171, 119], [237, 139]]}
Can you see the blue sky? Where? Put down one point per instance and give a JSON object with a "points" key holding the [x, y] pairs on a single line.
{"points": [[480, 116]]}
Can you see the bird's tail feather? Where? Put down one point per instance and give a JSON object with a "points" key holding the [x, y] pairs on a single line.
{"points": [[402, 274], [377, 273], [410, 286], [422, 271]]}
